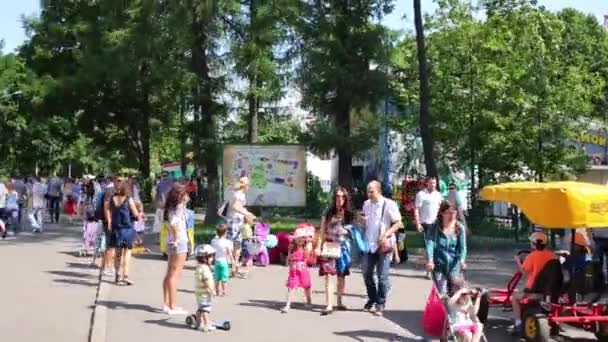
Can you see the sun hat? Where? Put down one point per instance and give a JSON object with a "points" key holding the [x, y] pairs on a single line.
{"points": [[579, 239]]}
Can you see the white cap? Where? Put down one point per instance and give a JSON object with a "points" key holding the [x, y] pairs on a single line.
{"points": [[539, 236]]}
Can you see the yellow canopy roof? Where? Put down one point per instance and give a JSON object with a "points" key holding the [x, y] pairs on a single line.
{"points": [[555, 204]]}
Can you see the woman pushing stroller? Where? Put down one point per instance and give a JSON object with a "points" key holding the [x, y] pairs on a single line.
{"points": [[446, 247]]}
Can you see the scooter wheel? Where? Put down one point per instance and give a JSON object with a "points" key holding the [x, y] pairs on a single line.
{"points": [[191, 322]]}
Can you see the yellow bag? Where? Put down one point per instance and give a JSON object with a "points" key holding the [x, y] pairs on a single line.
{"points": [[164, 233]]}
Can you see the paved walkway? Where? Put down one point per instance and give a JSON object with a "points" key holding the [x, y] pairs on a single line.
{"points": [[51, 295], [46, 292]]}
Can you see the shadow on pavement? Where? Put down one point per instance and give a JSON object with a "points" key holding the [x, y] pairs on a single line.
{"points": [[166, 323], [277, 305], [363, 335], [185, 291], [71, 274], [113, 305], [345, 295], [76, 282], [84, 266]]}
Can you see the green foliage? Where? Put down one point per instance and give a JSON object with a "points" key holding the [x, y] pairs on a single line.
{"points": [[343, 71], [510, 91]]}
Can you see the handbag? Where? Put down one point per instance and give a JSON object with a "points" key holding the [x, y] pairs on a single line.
{"points": [[434, 315], [331, 250]]}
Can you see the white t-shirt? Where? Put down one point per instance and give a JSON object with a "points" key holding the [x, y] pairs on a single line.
{"points": [[179, 219], [428, 204], [3, 193], [237, 196], [221, 245], [38, 192], [376, 223]]}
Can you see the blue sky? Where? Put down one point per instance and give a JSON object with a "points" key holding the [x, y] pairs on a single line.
{"points": [[11, 29]]}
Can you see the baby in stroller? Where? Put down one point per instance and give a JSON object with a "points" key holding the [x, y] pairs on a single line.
{"points": [[463, 307]]}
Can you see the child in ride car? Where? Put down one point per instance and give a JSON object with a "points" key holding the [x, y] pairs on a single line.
{"points": [[531, 267]]}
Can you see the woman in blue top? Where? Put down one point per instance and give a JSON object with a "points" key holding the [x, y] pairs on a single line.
{"points": [[447, 250], [119, 211]]}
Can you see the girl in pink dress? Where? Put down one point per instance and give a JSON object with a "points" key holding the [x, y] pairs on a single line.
{"points": [[300, 249]]}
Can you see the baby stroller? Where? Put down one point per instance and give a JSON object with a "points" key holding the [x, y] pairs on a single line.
{"points": [[93, 240], [437, 323], [257, 247]]}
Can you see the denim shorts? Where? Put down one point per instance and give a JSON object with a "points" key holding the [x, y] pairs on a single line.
{"points": [[181, 248]]}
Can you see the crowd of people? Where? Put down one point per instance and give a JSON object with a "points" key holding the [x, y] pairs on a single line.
{"points": [[372, 227]]}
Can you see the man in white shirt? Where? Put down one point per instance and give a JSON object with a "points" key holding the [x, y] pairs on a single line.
{"points": [[3, 193], [381, 218], [427, 203], [38, 203]]}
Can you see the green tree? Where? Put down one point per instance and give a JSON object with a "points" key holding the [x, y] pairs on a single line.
{"points": [[343, 72]]}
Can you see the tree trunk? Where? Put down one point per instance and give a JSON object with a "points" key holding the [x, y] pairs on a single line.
{"points": [[207, 109], [425, 97], [182, 136], [345, 150], [252, 124]]}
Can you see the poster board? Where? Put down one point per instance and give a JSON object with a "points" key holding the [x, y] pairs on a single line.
{"points": [[277, 173]]}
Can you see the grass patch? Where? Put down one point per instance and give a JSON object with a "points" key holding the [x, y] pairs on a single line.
{"points": [[476, 242], [204, 233]]}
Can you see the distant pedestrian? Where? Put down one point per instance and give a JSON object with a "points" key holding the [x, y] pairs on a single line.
{"points": [[120, 210], [238, 216], [426, 207], [37, 204], [55, 195]]}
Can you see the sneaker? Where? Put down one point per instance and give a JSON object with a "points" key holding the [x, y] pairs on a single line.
{"points": [[177, 312], [369, 306], [285, 309], [515, 330], [108, 272], [379, 310], [166, 309], [209, 328]]}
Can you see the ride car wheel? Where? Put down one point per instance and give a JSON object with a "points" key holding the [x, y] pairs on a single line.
{"points": [[536, 327], [602, 332]]}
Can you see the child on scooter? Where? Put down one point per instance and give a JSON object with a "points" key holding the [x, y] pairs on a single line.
{"points": [[204, 286], [463, 307]]}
